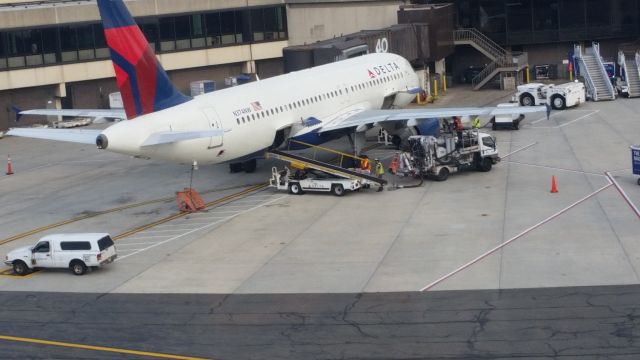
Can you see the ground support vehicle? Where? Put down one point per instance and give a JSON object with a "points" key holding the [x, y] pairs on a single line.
{"points": [[558, 96], [437, 157], [511, 121], [311, 180], [77, 252]]}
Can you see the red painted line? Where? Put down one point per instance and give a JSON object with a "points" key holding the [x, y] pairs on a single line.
{"points": [[624, 195], [516, 151], [463, 267]]}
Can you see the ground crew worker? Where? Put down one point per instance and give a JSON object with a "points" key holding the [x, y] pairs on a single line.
{"points": [[379, 171], [476, 123], [365, 164]]}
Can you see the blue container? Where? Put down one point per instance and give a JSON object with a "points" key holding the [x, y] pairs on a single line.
{"points": [[635, 160]]}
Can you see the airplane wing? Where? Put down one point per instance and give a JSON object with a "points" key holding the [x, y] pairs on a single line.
{"points": [[372, 117], [167, 137], [75, 136], [91, 113]]}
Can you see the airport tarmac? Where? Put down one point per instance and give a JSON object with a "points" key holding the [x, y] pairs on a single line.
{"points": [[476, 231]]}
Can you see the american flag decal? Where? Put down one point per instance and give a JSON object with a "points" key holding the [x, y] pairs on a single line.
{"points": [[256, 106]]}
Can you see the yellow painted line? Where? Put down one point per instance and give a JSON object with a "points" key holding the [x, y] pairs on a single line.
{"points": [[98, 348], [78, 218], [9, 273], [179, 215], [91, 215]]}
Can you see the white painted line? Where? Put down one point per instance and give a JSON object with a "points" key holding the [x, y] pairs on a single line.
{"points": [[555, 168], [201, 228], [198, 223], [624, 194], [150, 237], [213, 212], [119, 243], [580, 118], [157, 231], [516, 151], [567, 123], [557, 113], [445, 277], [545, 118]]}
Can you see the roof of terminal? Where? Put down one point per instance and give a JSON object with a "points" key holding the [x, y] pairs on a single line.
{"points": [[16, 4]]}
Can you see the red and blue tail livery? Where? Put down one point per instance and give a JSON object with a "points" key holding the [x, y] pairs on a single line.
{"points": [[143, 83]]}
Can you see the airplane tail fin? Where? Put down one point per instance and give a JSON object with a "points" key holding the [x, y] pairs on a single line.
{"points": [[143, 83]]}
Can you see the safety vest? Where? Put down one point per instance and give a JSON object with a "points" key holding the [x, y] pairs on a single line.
{"points": [[365, 164], [379, 169], [476, 123]]}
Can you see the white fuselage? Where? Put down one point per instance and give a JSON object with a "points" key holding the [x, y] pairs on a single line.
{"points": [[251, 114]]}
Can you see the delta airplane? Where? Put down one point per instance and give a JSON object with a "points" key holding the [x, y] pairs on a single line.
{"points": [[236, 125]]}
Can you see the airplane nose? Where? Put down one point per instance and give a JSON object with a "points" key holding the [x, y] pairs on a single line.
{"points": [[102, 142]]}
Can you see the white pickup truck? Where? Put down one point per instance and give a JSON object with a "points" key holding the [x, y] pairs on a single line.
{"points": [[558, 96], [77, 252]]}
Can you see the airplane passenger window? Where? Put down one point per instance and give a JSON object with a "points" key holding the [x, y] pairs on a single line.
{"points": [[253, 116], [290, 107], [272, 112], [238, 120], [299, 104]]}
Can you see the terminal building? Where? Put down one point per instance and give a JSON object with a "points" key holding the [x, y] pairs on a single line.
{"points": [[545, 29], [53, 53]]}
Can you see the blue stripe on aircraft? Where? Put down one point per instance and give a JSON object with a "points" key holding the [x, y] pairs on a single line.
{"points": [[166, 94], [133, 79], [114, 14]]}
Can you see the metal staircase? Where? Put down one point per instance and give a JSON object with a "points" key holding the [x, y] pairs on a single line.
{"points": [[502, 60], [629, 68], [599, 86]]}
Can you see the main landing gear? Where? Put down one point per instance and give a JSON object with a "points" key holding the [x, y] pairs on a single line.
{"points": [[248, 166]]}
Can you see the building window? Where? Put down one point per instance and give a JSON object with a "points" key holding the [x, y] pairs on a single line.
{"points": [[214, 36], [68, 44], [86, 47], [231, 28], [182, 28], [167, 34], [268, 24]]}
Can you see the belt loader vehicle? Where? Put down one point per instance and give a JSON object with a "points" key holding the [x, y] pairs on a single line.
{"points": [[311, 180], [558, 96], [437, 157]]}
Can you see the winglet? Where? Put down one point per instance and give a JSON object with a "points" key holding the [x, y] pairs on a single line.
{"points": [[18, 111], [143, 83]]}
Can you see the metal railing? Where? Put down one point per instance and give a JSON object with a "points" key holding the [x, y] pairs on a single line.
{"points": [[481, 40], [501, 58], [637, 60], [603, 72]]}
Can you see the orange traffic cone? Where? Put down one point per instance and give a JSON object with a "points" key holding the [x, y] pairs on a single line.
{"points": [[554, 185], [9, 167]]}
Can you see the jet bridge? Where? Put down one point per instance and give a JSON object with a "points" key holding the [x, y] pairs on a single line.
{"points": [[300, 161]]}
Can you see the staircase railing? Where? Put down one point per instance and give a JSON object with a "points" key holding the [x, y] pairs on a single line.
{"points": [[637, 59], [488, 70], [481, 39], [596, 50]]}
